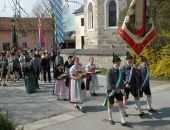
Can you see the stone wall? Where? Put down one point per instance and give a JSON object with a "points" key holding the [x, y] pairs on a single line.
{"points": [[103, 57], [100, 61]]}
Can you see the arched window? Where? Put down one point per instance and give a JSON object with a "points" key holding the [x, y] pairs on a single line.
{"points": [[112, 14], [90, 16]]}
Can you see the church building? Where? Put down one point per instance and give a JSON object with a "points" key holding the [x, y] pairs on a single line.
{"points": [[97, 23]]}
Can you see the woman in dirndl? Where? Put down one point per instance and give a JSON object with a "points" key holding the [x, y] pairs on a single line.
{"points": [[59, 85], [30, 78], [77, 88], [91, 81]]}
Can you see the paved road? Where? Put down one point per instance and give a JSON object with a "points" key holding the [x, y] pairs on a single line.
{"points": [[42, 111]]}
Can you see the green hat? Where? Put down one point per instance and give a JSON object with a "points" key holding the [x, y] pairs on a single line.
{"points": [[115, 58], [128, 56], [143, 59]]}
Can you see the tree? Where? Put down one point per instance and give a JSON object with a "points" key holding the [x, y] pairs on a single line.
{"points": [[44, 9]]}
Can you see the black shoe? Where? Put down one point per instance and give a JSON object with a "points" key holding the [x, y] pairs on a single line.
{"points": [[82, 110], [142, 115], [65, 99], [77, 107], [152, 110], [91, 94], [111, 122], [4, 85], [95, 94], [126, 124]]}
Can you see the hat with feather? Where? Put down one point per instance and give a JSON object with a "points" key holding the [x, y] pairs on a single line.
{"points": [[128, 56], [115, 58]]}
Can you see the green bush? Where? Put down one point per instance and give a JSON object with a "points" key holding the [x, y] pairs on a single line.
{"points": [[103, 71], [7, 122]]}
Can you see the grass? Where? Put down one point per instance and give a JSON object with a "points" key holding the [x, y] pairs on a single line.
{"points": [[7, 122], [103, 71]]}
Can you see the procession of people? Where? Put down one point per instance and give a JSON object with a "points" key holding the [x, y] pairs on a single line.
{"points": [[72, 80]]}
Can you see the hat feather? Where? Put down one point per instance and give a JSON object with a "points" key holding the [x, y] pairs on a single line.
{"points": [[113, 53], [127, 53]]}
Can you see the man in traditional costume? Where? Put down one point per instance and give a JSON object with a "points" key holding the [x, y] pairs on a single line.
{"points": [[4, 71], [45, 65], [92, 79], [77, 89], [130, 76], [144, 82], [114, 86], [16, 67], [35, 64]]}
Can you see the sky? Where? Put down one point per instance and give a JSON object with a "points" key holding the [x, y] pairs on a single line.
{"points": [[6, 8]]}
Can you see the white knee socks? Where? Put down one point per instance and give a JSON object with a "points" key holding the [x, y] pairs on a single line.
{"points": [[138, 106], [124, 103], [110, 114], [149, 101], [122, 115]]}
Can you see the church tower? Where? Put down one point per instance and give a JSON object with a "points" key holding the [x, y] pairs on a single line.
{"points": [[101, 22]]}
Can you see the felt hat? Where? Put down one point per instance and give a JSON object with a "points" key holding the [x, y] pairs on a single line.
{"points": [[143, 59], [115, 58], [128, 56]]}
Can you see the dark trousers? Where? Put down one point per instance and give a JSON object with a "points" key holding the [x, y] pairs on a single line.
{"points": [[46, 71], [37, 82]]}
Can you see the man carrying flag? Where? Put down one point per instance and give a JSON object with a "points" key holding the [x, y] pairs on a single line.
{"points": [[130, 76]]}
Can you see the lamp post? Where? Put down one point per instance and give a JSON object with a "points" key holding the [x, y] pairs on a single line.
{"points": [[14, 35]]}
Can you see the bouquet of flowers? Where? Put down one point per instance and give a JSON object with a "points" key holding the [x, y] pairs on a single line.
{"points": [[80, 74], [63, 76]]}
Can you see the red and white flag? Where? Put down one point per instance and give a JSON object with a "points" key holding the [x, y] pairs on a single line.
{"points": [[138, 29], [41, 37]]}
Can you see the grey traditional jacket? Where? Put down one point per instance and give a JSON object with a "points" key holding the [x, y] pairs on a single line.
{"points": [[143, 75], [113, 79], [130, 75]]}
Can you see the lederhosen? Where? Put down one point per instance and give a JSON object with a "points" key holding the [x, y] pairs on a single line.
{"points": [[144, 81], [130, 75], [114, 80]]}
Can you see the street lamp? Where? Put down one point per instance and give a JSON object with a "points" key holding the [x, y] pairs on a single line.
{"points": [[14, 35]]}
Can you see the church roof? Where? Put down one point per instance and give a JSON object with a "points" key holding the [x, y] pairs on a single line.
{"points": [[80, 10]]}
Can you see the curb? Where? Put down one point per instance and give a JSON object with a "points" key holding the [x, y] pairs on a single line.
{"points": [[51, 121]]}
